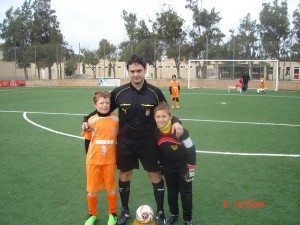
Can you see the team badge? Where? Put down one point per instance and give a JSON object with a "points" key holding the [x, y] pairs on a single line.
{"points": [[174, 147], [147, 112]]}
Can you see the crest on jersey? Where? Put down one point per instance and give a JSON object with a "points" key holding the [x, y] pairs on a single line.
{"points": [[147, 112], [174, 147]]}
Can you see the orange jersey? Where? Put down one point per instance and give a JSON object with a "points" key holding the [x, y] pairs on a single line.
{"points": [[103, 135], [262, 83], [174, 86]]}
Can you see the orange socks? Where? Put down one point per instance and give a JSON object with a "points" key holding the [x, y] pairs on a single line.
{"points": [[112, 203], [92, 205]]}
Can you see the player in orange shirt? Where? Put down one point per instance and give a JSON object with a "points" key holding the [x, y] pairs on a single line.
{"points": [[101, 157], [174, 88], [262, 82], [262, 87]]}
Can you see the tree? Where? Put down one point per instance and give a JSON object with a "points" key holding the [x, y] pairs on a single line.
{"points": [[246, 41], [108, 51], [206, 37], [71, 62], [46, 31], [16, 31], [295, 48], [169, 28], [244, 44], [274, 29], [127, 47], [90, 58], [141, 40], [26, 29]]}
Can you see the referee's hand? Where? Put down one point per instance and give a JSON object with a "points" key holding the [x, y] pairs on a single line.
{"points": [[178, 129]]}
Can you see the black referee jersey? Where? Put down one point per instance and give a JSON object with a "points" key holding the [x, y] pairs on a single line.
{"points": [[136, 109]]}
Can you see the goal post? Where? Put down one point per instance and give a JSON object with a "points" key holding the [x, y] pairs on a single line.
{"points": [[226, 69]]}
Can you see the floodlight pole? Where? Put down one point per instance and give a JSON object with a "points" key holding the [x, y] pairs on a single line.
{"points": [[206, 52], [104, 58], [79, 59], [233, 56]]}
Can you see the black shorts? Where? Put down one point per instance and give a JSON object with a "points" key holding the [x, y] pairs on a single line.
{"points": [[130, 151]]}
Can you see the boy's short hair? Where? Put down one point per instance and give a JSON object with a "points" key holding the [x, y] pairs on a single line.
{"points": [[101, 94], [173, 76], [163, 106], [136, 59]]}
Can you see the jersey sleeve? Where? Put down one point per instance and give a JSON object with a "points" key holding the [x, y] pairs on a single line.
{"points": [[113, 104], [161, 96], [87, 135], [175, 120], [190, 148]]}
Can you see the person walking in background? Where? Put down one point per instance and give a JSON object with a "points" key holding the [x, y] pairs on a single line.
{"points": [[246, 79], [174, 89], [136, 101], [101, 157], [178, 162]]}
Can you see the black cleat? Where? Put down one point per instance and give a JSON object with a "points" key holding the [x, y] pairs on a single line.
{"points": [[187, 223], [160, 218], [171, 219], [125, 214]]}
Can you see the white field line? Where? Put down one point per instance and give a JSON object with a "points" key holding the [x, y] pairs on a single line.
{"points": [[199, 151], [250, 154], [48, 129], [241, 122]]}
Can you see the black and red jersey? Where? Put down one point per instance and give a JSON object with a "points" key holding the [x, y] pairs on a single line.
{"points": [[175, 153]]}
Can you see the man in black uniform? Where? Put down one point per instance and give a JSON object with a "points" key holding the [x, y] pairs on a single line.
{"points": [[246, 79], [136, 102]]}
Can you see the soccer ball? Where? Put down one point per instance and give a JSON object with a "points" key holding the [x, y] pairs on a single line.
{"points": [[144, 214]]}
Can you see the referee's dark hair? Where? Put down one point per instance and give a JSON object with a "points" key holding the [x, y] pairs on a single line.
{"points": [[136, 59]]}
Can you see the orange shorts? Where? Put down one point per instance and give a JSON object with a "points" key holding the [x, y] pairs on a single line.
{"points": [[99, 175]]}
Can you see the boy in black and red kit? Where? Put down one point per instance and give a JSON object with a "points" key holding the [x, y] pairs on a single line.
{"points": [[178, 160]]}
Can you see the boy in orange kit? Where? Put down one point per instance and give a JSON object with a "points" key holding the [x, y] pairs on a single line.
{"points": [[101, 157], [174, 88]]}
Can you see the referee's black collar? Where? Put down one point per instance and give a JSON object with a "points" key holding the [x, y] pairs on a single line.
{"points": [[142, 90]]}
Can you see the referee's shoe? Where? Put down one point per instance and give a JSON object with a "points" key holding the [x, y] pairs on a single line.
{"points": [[160, 218], [125, 214]]}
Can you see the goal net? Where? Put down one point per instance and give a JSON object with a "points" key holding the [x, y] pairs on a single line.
{"points": [[200, 71]]}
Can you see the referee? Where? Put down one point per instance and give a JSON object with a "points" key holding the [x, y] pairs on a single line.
{"points": [[136, 101]]}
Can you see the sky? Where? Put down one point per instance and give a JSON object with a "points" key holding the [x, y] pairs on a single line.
{"points": [[87, 22]]}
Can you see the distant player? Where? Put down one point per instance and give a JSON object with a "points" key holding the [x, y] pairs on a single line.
{"points": [[101, 157], [178, 160], [174, 88], [239, 85], [262, 87]]}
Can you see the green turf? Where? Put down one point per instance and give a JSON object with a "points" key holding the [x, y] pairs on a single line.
{"points": [[43, 173]]}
